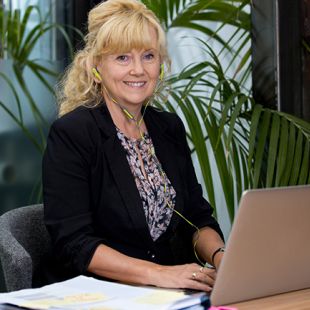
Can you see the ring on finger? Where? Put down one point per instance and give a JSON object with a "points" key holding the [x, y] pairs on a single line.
{"points": [[194, 275], [201, 269]]}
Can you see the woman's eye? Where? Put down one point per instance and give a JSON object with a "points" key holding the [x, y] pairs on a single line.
{"points": [[149, 56], [122, 58]]}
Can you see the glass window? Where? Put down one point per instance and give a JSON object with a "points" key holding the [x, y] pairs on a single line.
{"points": [[45, 49]]}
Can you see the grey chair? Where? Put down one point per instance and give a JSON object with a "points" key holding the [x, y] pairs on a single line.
{"points": [[24, 242]]}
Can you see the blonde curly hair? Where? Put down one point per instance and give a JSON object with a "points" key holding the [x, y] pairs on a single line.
{"points": [[114, 26]]}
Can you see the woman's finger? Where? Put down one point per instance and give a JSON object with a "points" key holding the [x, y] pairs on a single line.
{"points": [[203, 277], [198, 285]]}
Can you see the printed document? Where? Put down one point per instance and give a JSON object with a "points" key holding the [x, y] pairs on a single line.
{"points": [[86, 293]]}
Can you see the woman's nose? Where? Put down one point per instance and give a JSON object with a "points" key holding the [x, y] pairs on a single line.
{"points": [[137, 67]]}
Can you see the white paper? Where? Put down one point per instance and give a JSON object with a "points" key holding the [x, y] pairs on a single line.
{"points": [[86, 293]]}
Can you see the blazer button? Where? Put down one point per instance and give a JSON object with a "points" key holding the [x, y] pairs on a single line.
{"points": [[153, 256]]}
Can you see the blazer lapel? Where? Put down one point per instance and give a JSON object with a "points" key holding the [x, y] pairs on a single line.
{"points": [[116, 156]]}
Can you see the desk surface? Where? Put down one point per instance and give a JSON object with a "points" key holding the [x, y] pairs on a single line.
{"points": [[292, 300]]}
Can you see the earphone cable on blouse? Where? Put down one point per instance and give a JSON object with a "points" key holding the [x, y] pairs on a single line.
{"points": [[152, 152]]}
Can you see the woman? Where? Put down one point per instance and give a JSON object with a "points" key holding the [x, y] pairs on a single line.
{"points": [[120, 193]]}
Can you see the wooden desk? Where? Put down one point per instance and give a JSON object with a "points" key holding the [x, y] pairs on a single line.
{"points": [[299, 300]]}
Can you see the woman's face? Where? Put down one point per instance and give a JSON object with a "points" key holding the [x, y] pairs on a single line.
{"points": [[130, 78]]}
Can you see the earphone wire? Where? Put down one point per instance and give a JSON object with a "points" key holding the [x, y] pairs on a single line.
{"points": [[163, 174], [128, 114], [167, 203]]}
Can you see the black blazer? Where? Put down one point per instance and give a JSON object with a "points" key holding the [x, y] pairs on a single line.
{"points": [[90, 196]]}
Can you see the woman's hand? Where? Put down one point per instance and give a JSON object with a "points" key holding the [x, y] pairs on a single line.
{"points": [[190, 276]]}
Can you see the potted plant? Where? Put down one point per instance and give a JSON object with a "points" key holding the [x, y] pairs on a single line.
{"points": [[16, 48], [236, 140], [27, 91]]}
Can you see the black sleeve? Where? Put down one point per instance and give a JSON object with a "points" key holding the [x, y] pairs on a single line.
{"points": [[197, 209], [66, 194]]}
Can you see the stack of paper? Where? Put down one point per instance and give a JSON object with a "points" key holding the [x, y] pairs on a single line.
{"points": [[92, 294]]}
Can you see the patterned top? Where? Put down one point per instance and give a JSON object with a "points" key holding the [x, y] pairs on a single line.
{"points": [[155, 189]]}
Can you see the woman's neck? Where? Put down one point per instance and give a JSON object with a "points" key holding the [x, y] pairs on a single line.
{"points": [[130, 124]]}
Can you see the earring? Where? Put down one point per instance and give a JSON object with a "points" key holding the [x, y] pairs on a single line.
{"points": [[96, 74], [162, 72]]}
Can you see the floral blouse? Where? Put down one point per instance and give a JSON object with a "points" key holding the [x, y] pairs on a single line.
{"points": [[154, 186]]}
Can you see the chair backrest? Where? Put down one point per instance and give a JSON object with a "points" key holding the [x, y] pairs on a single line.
{"points": [[24, 242]]}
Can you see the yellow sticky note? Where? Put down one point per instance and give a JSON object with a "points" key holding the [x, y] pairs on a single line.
{"points": [[84, 297], [42, 303], [65, 301], [160, 297]]}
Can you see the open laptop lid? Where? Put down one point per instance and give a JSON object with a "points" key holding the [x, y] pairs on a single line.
{"points": [[268, 250]]}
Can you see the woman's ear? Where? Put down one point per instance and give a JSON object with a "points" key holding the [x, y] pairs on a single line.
{"points": [[92, 70], [96, 75]]}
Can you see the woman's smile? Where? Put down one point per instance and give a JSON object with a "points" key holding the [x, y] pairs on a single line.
{"points": [[135, 84]]}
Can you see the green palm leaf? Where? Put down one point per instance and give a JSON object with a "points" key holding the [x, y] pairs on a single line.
{"points": [[18, 45]]}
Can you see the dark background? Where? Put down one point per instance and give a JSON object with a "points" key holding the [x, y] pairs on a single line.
{"points": [[281, 63]]}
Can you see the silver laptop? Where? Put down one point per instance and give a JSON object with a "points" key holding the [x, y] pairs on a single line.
{"points": [[268, 250]]}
